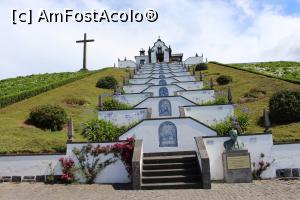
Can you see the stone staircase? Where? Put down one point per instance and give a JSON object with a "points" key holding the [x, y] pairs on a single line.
{"points": [[170, 170]]}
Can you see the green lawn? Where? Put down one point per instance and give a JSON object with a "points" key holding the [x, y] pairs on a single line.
{"points": [[16, 137], [244, 81]]}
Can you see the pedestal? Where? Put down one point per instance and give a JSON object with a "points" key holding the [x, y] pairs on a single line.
{"points": [[237, 166]]}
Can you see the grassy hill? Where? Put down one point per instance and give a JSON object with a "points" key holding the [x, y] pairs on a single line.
{"points": [[285, 70], [16, 89], [243, 82], [18, 137]]}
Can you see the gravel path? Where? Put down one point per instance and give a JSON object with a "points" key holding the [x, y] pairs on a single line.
{"points": [[262, 190]]}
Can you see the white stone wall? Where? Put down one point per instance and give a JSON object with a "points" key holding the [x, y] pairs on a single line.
{"points": [[256, 144], [198, 96], [134, 88], [167, 75], [131, 99], [138, 80], [181, 73], [126, 63], [123, 117], [155, 89], [286, 156], [155, 81], [195, 85], [185, 78], [187, 129], [193, 60], [209, 115], [32, 165], [141, 75], [178, 70], [139, 58], [153, 103]]}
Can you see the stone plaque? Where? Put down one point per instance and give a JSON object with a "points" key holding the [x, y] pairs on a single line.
{"points": [[236, 166], [238, 162]]}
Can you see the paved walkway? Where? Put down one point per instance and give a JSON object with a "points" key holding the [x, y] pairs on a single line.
{"points": [[262, 190]]}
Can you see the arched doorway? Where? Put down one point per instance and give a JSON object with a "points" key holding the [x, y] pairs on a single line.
{"points": [[167, 133]]}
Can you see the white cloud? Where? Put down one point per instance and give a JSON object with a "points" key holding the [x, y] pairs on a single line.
{"points": [[235, 31]]}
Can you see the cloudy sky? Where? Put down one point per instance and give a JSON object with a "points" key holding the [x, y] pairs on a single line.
{"points": [[223, 30]]}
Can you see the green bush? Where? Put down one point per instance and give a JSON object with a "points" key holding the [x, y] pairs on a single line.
{"points": [[107, 82], [101, 131], [201, 66], [224, 127], [284, 107], [112, 104], [223, 80], [47, 116], [75, 101]]}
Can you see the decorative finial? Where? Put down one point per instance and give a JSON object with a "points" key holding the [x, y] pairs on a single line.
{"points": [[267, 122], [100, 103], [70, 133], [229, 96], [211, 83], [200, 76]]}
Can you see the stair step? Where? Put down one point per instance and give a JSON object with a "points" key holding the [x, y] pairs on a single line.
{"points": [[177, 165], [176, 153], [174, 185], [170, 172], [170, 179], [169, 159]]}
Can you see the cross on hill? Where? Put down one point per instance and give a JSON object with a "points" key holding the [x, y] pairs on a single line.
{"points": [[84, 41]]}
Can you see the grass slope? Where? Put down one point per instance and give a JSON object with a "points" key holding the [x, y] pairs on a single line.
{"points": [[242, 82], [13, 90], [16, 137]]}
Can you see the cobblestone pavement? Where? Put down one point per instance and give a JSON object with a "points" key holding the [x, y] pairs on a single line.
{"points": [[263, 190]]}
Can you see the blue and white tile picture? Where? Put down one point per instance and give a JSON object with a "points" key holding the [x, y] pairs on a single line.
{"points": [[164, 107], [167, 133], [163, 92], [162, 82]]}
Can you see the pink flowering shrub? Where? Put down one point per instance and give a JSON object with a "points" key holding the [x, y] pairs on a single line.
{"points": [[91, 167], [68, 167]]}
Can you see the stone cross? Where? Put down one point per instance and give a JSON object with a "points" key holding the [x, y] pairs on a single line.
{"points": [[84, 41]]}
